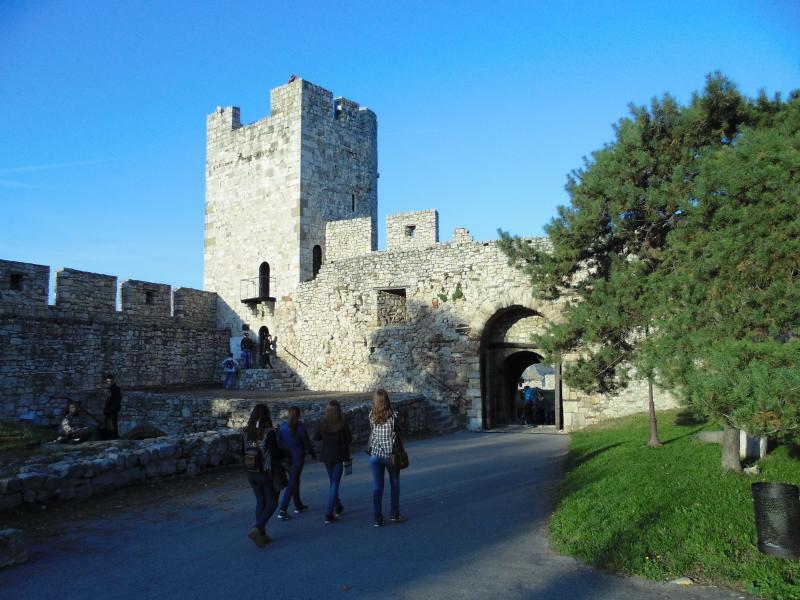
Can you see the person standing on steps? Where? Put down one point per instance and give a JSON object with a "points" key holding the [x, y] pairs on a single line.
{"points": [[264, 471], [383, 422], [247, 350], [293, 437], [111, 409], [336, 438], [266, 351], [229, 367]]}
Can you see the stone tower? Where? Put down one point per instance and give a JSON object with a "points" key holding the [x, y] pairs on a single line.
{"points": [[273, 185]]}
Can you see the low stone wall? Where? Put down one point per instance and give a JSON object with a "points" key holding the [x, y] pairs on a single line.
{"points": [[180, 413], [77, 472], [85, 470]]}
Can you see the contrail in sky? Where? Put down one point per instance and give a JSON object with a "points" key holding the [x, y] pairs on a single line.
{"points": [[49, 166]]}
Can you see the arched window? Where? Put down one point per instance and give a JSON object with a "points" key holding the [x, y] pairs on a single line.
{"points": [[316, 260], [263, 280]]}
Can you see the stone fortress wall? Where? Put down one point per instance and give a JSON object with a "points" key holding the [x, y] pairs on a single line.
{"points": [[452, 321], [48, 352], [428, 338]]}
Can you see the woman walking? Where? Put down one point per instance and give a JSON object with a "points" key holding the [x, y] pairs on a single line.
{"points": [[293, 436], [336, 439], [382, 439], [264, 471]]}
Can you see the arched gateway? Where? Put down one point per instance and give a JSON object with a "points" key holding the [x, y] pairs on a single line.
{"points": [[506, 351]]}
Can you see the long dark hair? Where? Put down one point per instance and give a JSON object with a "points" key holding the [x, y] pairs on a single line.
{"points": [[293, 418], [260, 420], [381, 407], [332, 421]]}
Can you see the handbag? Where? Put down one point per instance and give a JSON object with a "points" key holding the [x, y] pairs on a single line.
{"points": [[399, 455]]}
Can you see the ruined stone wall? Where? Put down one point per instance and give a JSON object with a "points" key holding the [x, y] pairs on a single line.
{"points": [[338, 330], [346, 239], [416, 229], [51, 352]]}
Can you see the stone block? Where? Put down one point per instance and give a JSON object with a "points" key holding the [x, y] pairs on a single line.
{"points": [[9, 485], [31, 481], [12, 548], [11, 500]]}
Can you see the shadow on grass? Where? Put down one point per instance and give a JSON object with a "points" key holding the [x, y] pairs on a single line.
{"points": [[576, 459], [687, 418]]}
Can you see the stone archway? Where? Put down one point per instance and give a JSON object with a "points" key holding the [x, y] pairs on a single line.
{"points": [[506, 350]]}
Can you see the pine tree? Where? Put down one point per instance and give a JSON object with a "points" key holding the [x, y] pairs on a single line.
{"points": [[608, 244], [728, 310]]}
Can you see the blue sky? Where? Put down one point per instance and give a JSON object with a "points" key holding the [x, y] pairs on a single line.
{"points": [[483, 107]]}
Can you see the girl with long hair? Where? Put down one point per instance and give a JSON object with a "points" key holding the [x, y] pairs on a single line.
{"points": [[293, 436], [383, 422], [266, 481], [336, 438]]}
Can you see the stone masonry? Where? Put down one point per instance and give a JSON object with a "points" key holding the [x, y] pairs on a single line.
{"points": [[452, 320], [48, 353]]}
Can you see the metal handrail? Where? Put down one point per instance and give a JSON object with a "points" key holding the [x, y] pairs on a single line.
{"points": [[285, 349]]}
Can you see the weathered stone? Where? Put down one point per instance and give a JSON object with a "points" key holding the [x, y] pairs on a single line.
{"points": [[12, 548], [31, 481]]}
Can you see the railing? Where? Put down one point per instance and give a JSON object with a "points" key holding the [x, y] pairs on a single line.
{"points": [[285, 349], [250, 289]]}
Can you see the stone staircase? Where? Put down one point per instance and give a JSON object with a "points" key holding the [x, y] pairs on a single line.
{"points": [[440, 419], [275, 379]]}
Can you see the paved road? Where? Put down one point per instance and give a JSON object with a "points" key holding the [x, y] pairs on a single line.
{"points": [[476, 506]]}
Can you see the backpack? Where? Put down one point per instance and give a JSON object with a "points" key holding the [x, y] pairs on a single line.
{"points": [[253, 457], [230, 363], [527, 395]]}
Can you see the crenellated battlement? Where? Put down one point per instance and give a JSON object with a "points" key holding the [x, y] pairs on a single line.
{"points": [[26, 287]]}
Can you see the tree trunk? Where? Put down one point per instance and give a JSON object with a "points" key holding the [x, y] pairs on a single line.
{"points": [[730, 449], [654, 441]]}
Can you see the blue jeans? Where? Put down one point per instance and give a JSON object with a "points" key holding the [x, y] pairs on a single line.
{"points": [[230, 380], [293, 487], [335, 471], [379, 464], [266, 497], [248, 358]]}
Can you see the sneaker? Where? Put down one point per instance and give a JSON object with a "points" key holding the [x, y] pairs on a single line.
{"points": [[259, 537], [398, 518], [378, 522], [330, 519], [300, 509], [284, 516], [339, 510]]}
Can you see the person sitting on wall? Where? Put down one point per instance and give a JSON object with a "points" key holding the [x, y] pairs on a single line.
{"points": [[111, 409], [229, 366], [247, 350], [72, 428]]}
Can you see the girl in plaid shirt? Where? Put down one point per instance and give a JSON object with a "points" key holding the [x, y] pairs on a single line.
{"points": [[383, 421]]}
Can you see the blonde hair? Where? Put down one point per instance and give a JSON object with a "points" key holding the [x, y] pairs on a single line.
{"points": [[381, 407]]}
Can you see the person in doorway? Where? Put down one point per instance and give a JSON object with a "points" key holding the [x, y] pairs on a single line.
{"points": [[336, 438], [266, 478], [229, 369], [293, 437], [111, 409], [383, 423], [247, 350], [539, 406], [528, 398], [266, 351], [72, 428]]}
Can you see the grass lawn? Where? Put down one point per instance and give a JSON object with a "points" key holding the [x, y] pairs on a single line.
{"points": [[668, 512], [19, 440]]}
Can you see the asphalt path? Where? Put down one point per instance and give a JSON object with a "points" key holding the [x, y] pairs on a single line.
{"points": [[476, 506]]}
